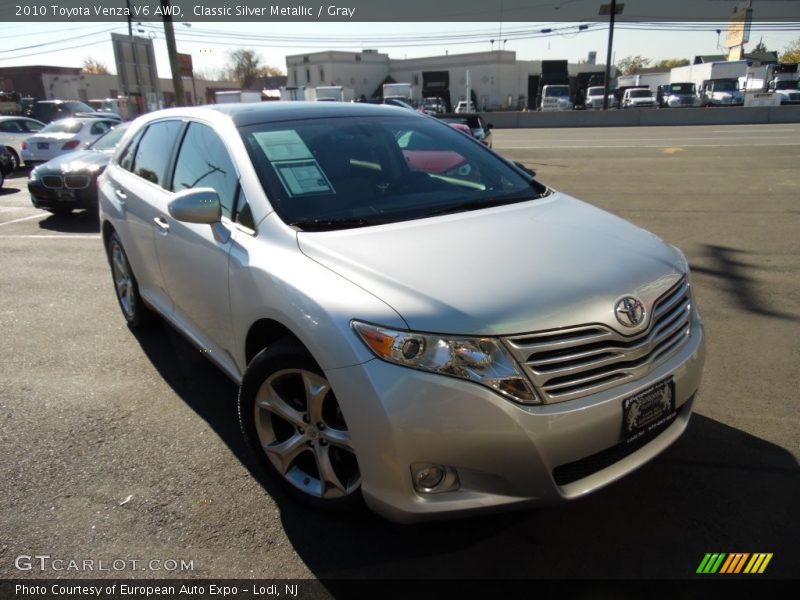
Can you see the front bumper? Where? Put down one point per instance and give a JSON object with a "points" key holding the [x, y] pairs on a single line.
{"points": [[682, 103], [505, 454], [48, 197]]}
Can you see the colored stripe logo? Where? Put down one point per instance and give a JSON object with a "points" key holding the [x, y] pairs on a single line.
{"points": [[734, 563]]}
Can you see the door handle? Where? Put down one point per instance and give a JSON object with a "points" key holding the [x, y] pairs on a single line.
{"points": [[162, 225], [122, 197]]}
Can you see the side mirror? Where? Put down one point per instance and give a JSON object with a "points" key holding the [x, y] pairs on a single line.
{"points": [[196, 205], [489, 127]]}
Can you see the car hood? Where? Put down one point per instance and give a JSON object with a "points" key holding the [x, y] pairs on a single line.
{"points": [[536, 265], [76, 161]]}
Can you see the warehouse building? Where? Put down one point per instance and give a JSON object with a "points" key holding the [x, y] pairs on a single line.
{"points": [[497, 79]]}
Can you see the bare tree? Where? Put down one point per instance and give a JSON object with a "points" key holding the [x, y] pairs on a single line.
{"points": [[244, 66]]}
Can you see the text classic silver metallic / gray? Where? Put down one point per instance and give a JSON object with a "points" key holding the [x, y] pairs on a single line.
{"points": [[413, 320]]}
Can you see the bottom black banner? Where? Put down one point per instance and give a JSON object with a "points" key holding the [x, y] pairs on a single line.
{"points": [[382, 589]]}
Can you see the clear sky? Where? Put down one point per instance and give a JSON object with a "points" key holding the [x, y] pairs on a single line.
{"points": [[58, 44]]}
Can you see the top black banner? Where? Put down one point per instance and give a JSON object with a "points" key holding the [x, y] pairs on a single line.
{"points": [[585, 11]]}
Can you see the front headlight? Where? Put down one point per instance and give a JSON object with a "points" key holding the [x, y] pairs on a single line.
{"points": [[34, 175], [481, 360]]}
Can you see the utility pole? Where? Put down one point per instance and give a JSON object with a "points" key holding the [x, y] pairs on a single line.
{"points": [[172, 51], [612, 12], [143, 108]]}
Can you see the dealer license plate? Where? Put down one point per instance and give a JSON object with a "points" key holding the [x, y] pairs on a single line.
{"points": [[43, 145], [648, 410]]}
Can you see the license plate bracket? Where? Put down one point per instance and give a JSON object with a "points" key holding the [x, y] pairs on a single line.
{"points": [[65, 195], [648, 410]]}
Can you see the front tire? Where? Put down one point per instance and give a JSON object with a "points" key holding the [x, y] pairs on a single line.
{"points": [[294, 427], [136, 313]]}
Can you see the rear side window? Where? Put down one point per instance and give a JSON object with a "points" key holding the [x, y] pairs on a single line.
{"points": [[203, 161], [126, 155], [154, 151], [11, 127], [31, 126]]}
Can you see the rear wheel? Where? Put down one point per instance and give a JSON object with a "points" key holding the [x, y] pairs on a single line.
{"points": [[134, 310], [14, 157], [293, 424]]}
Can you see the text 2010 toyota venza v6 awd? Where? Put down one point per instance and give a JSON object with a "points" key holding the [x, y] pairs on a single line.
{"points": [[413, 319]]}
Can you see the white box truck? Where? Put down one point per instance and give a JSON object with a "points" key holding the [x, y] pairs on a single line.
{"points": [[329, 93], [401, 91], [234, 96], [717, 82]]}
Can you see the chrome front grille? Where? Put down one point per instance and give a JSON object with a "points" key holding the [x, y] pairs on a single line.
{"points": [[71, 181], [569, 363]]}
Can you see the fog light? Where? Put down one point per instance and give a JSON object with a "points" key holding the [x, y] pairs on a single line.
{"points": [[432, 479], [429, 477]]}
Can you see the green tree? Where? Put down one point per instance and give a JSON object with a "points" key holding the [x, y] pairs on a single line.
{"points": [[791, 54], [669, 63], [631, 64]]}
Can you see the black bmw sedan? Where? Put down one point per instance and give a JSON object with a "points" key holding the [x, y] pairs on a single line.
{"points": [[70, 180]]}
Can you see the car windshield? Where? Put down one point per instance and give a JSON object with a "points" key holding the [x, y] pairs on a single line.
{"points": [[725, 86], [681, 88], [557, 92], [109, 140], [335, 173], [786, 85], [595, 91], [78, 107], [64, 126], [640, 93]]}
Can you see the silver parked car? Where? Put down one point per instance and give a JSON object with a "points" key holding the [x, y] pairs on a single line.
{"points": [[412, 319]]}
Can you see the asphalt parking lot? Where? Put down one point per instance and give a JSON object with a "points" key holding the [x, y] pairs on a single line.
{"points": [[118, 445]]}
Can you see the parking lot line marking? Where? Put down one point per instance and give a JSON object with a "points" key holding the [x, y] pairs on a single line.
{"points": [[25, 219], [45, 236]]}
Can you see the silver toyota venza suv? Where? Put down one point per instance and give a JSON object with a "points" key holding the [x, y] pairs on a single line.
{"points": [[412, 319]]}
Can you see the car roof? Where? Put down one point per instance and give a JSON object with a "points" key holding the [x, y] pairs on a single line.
{"points": [[263, 112], [9, 117], [84, 119]]}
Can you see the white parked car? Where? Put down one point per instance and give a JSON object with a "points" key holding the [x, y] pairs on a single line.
{"points": [[638, 98], [465, 107], [63, 136], [14, 131], [594, 97]]}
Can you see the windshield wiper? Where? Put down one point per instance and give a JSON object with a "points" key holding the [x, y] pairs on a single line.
{"points": [[327, 224], [476, 205]]}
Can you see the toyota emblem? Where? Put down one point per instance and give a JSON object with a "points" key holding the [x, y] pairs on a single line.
{"points": [[629, 311]]}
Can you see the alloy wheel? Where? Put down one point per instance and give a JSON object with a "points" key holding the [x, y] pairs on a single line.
{"points": [[303, 434]]}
